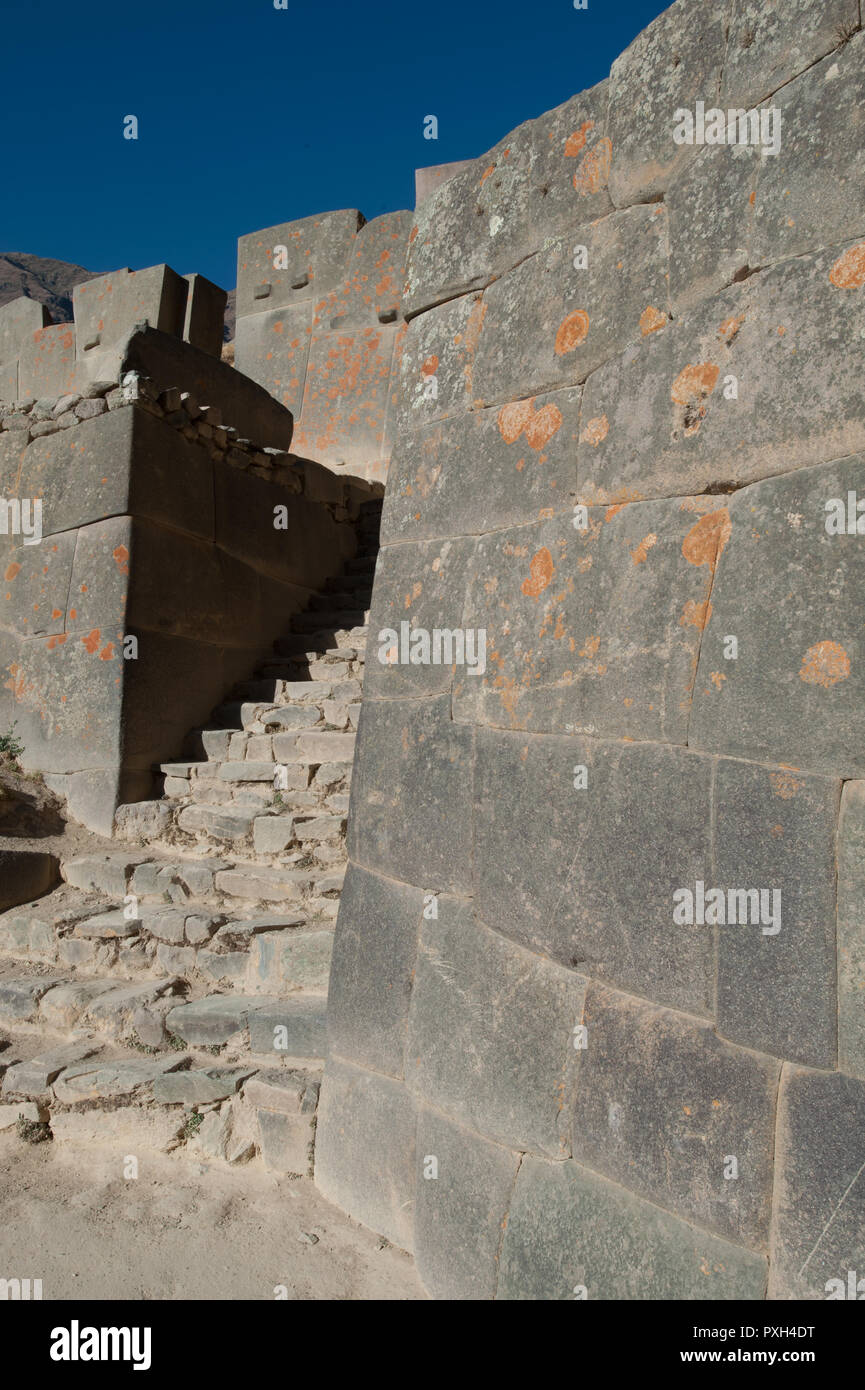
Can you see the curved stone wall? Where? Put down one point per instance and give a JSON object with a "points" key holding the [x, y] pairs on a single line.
{"points": [[597, 1004]]}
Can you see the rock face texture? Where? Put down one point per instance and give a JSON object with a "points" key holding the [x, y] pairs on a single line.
{"points": [[597, 992]]}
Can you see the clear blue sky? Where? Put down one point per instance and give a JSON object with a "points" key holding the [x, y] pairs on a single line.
{"points": [[251, 115]]}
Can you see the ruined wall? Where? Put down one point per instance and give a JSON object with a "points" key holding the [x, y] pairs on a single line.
{"points": [[319, 326], [162, 568], [630, 387]]}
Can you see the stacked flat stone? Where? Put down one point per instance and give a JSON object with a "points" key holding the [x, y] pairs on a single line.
{"points": [[629, 387]]}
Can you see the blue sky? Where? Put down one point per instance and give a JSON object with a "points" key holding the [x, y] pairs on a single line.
{"points": [[250, 115]]}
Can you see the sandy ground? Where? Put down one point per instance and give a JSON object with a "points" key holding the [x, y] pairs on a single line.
{"points": [[181, 1230]]}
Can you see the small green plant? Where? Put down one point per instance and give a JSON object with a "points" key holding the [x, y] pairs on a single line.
{"points": [[175, 1043], [213, 1048], [192, 1125], [10, 745], [277, 800], [32, 1131]]}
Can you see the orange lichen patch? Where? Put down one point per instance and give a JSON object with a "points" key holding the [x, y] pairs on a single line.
{"points": [[512, 420], [785, 785], [121, 558], [576, 143], [848, 272], [717, 679], [651, 320], [546, 513], [825, 664], [700, 505], [571, 332], [92, 640], [613, 511], [413, 234], [704, 543], [696, 614], [642, 550], [591, 647], [57, 613], [694, 383], [56, 641], [753, 198], [730, 327], [11, 571], [543, 425], [107, 653], [596, 431], [541, 571], [430, 366], [487, 172], [584, 564], [594, 170]]}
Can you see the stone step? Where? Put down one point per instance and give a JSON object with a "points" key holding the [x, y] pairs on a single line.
{"points": [[220, 941], [176, 1098]]}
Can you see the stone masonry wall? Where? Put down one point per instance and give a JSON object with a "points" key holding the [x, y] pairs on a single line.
{"points": [[319, 326], [629, 389], [173, 552]]}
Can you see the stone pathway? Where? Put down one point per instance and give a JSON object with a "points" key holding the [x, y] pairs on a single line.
{"points": [[172, 991]]}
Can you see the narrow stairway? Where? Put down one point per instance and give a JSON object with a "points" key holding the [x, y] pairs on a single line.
{"points": [[173, 992]]}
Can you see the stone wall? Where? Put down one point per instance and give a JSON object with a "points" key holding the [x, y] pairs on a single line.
{"points": [[173, 551], [319, 326], [630, 386]]}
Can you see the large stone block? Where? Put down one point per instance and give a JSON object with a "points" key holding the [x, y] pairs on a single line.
{"points": [[851, 930], [571, 1232], [795, 692], [272, 348], [484, 469], [819, 1226], [491, 1033], [100, 576], [594, 630], [710, 204], [19, 320], [425, 587], [675, 62], [204, 318], [279, 961], [769, 43], [812, 194], [540, 180], [374, 957], [125, 462], [46, 362], [107, 309], [36, 587], [775, 830], [548, 324], [315, 257], [461, 1208], [345, 399], [365, 1150], [411, 753], [663, 1107], [435, 362], [668, 418], [244, 405], [587, 877], [374, 270], [25, 875]]}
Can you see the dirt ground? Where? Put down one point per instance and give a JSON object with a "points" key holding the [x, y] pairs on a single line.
{"points": [[181, 1230]]}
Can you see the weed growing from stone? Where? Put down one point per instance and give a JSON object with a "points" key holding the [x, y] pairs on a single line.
{"points": [[32, 1131]]}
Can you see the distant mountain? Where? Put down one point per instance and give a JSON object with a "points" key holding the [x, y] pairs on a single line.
{"points": [[52, 283]]}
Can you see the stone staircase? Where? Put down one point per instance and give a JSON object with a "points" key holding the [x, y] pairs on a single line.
{"points": [[209, 936]]}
